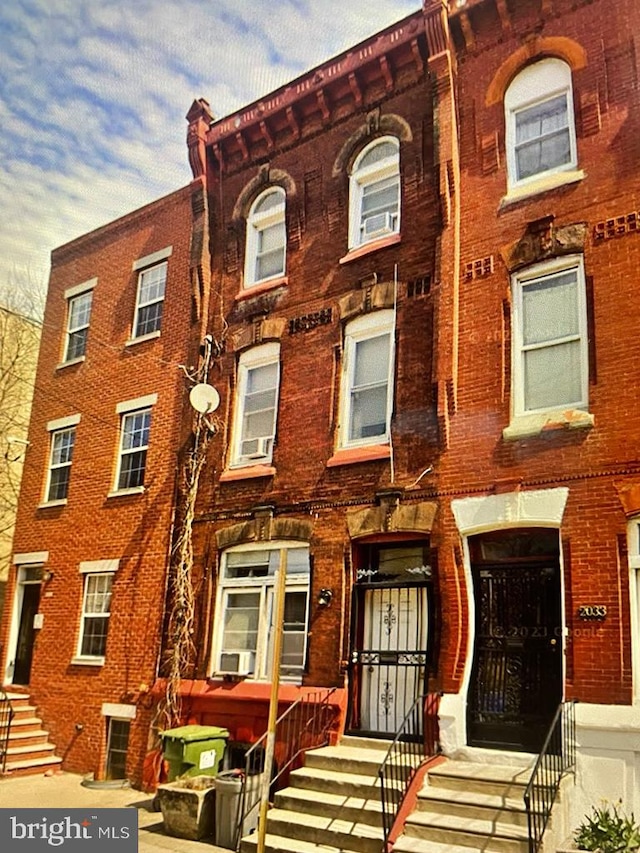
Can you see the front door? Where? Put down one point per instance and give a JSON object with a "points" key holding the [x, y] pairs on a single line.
{"points": [[516, 679], [391, 643], [26, 632]]}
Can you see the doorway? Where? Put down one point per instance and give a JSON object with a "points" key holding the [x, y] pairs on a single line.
{"points": [[28, 603], [517, 671], [392, 636]]}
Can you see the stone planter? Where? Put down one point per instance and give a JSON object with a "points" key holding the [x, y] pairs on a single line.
{"points": [[188, 807]]}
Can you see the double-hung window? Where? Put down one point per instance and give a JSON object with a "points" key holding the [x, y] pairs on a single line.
{"points": [[62, 443], [266, 238], [135, 424], [367, 380], [550, 342], [150, 300], [374, 192], [79, 301], [540, 125], [246, 610], [96, 609], [256, 405]]}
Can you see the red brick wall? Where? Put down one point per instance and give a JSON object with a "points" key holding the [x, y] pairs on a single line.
{"points": [[133, 529]]}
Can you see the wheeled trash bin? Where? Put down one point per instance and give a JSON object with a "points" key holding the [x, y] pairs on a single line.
{"points": [[193, 750]]}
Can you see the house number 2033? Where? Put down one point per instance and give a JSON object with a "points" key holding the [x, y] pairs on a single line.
{"points": [[592, 611]]}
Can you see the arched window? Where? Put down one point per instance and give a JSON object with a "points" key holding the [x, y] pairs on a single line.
{"points": [[266, 237], [374, 192], [540, 124]]}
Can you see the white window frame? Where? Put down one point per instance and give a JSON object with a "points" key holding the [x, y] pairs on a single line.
{"points": [[260, 356], [520, 281], [257, 222], [92, 570], [533, 86], [264, 586], [147, 303], [57, 428], [73, 329], [366, 176], [364, 328], [126, 409], [633, 548]]}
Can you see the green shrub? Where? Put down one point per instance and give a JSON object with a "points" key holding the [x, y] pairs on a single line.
{"points": [[609, 830]]}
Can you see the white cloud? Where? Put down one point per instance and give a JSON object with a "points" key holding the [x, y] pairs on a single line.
{"points": [[94, 95]]}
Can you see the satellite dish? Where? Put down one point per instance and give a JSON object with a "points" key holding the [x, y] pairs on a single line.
{"points": [[204, 398]]}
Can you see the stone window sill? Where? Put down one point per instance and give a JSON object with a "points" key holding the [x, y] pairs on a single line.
{"points": [[122, 493], [541, 185], [71, 362], [262, 287], [140, 340], [248, 473], [48, 504], [87, 661], [526, 426], [353, 455], [367, 248]]}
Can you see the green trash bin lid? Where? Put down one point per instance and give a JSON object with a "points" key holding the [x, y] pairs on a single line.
{"points": [[188, 734]]}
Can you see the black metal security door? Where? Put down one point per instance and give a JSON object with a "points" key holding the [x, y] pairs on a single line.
{"points": [[516, 680]]}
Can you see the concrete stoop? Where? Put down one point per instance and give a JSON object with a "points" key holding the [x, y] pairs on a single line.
{"points": [[29, 751], [332, 804], [465, 806]]}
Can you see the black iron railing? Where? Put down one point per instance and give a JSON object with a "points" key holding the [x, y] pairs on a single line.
{"points": [[557, 757], [306, 724], [415, 740], [6, 715]]}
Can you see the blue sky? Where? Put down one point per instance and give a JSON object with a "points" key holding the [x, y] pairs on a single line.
{"points": [[93, 95]]}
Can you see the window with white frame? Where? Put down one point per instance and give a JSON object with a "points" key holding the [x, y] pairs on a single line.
{"points": [[96, 610], [550, 341], [374, 192], [246, 607], [540, 124], [256, 405], [78, 318], [60, 459], [135, 423], [150, 300], [266, 238], [367, 380]]}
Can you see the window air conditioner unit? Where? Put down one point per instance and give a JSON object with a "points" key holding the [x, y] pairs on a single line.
{"points": [[263, 448], [237, 663], [380, 223]]}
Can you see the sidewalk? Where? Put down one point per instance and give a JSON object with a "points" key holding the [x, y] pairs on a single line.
{"points": [[63, 790]]}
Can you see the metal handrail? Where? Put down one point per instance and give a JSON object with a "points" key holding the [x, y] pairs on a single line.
{"points": [[304, 725], [415, 740], [557, 757], [6, 716]]}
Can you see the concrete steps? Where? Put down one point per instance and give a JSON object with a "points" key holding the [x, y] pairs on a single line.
{"points": [[29, 751], [466, 806], [332, 804]]}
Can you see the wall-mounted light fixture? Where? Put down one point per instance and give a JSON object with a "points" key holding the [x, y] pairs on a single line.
{"points": [[325, 596], [47, 575]]}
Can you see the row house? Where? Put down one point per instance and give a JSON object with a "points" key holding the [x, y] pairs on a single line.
{"points": [[403, 283]]}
